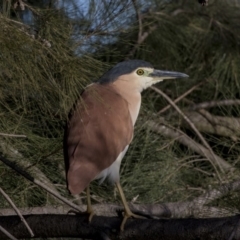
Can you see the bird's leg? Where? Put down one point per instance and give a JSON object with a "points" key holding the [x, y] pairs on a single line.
{"points": [[89, 205], [89, 210], [127, 212]]}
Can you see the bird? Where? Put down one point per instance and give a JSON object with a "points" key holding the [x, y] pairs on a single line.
{"points": [[100, 127]]}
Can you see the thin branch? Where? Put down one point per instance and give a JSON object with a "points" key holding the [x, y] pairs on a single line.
{"points": [[181, 97], [13, 135], [57, 195], [8, 234], [217, 193], [194, 129], [32, 9], [16, 22], [141, 35], [26, 30], [189, 142], [139, 18], [141, 40], [210, 104], [14, 153], [19, 3], [208, 123], [195, 208], [17, 211], [38, 183]]}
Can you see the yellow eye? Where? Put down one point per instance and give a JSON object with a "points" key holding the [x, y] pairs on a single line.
{"points": [[140, 72]]}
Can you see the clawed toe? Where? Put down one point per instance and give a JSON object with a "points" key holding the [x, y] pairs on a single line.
{"points": [[91, 214], [129, 215]]}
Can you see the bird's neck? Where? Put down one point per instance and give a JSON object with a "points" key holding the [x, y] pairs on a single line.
{"points": [[132, 96]]}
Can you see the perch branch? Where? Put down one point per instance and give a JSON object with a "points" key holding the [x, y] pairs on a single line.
{"points": [[108, 227], [195, 208]]}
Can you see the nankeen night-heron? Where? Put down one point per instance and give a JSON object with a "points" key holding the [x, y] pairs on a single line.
{"points": [[101, 126]]}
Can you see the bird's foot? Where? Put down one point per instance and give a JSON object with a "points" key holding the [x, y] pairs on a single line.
{"points": [[128, 214], [91, 214]]}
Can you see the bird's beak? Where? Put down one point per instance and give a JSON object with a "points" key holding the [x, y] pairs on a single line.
{"points": [[159, 74]]}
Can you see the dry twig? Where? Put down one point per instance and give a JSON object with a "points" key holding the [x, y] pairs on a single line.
{"points": [[208, 123], [141, 35], [189, 142], [23, 163], [38, 183], [17, 211], [195, 130], [181, 97], [8, 234], [13, 135], [210, 104]]}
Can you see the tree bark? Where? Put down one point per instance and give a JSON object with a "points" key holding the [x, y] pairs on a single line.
{"points": [[108, 227]]}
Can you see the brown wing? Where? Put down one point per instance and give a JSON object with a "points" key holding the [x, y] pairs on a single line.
{"points": [[98, 131]]}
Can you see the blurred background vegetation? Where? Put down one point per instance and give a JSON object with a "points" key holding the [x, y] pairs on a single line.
{"points": [[50, 50]]}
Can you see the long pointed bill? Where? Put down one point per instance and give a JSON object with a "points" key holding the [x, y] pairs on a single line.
{"points": [[159, 74]]}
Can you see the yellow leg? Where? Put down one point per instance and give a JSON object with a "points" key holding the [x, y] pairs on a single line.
{"points": [[89, 210], [89, 205], [127, 212]]}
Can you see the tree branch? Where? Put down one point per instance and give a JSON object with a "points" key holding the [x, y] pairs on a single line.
{"points": [[9, 235], [108, 227], [162, 210], [13, 135], [210, 104], [195, 208], [38, 183], [213, 159], [206, 122], [187, 141], [181, 97], [141, 35], [23, 163]]}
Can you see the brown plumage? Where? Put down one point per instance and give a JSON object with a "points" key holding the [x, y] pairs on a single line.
{"points": [[99, 129], [101, 126]]}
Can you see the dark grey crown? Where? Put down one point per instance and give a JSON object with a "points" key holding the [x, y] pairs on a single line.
{"points": [[123, 68]]}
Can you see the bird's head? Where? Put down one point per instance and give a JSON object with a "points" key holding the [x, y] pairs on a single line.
{"points": [[138, 73]]}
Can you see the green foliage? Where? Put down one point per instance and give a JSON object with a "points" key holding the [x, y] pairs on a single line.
{"points": [[38, 87]]}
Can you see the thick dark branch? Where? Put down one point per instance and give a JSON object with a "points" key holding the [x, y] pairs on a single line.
{"points": [[108, 227]]}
